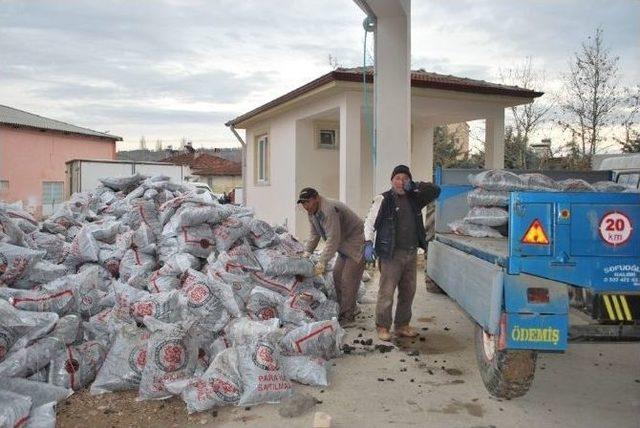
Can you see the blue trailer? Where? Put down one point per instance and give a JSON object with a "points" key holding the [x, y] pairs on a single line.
{"points": [[517, 289]]}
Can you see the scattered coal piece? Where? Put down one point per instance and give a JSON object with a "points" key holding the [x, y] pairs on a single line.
{"points": [[384, 348], [411, 380], [380, 379], [429, 371], [367, 342], [402, 360], [356, 342], [422, 339], [403, 369], [413, 353], [347, 349], [446, 329], [425, 328], [359, 334], [390, 379]]}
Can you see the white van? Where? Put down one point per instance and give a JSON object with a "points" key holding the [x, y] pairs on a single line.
{"points": [[626, 169]]}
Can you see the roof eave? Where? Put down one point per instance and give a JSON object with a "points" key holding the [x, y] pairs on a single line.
{"points": [[39, 128], [342, 76]]}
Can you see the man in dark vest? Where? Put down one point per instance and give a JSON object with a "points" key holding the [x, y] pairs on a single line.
{"points": [[395, 224]]}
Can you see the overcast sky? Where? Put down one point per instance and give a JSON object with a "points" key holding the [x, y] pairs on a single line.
{"points": [[168, 69]]}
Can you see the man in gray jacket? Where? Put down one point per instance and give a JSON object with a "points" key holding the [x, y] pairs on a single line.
{"points": [[343, 232]]}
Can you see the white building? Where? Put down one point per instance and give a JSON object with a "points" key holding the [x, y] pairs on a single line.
{"points": [[319, 135]]}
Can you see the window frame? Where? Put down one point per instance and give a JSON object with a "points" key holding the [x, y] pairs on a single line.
{"points": [[51, 200], [322, 126], [262, 157]]}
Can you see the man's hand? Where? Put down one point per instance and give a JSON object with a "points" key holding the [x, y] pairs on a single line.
{"points": [[319, 269], [306, 254], [409, 186], [369, 252]]}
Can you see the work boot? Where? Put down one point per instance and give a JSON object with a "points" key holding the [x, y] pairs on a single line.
{"points": [[347, 322], [383, 334], [406, 331]]}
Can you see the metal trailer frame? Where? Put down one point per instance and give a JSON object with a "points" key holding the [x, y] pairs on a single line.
{"points": [[493, 279]]}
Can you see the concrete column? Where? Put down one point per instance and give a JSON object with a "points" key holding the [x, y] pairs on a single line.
{"points": [[422, 153], [350, 150], [392, 87], [494, 140]]}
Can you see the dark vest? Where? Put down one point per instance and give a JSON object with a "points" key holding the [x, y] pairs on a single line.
{"points": [[386, 223]]}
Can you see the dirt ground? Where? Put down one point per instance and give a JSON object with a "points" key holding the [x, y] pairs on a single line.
{"points": [[431, 381]]}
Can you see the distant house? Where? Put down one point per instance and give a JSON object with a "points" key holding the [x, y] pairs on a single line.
{"points": [[33, 152], [220, 174], [320, 135], [459, 132]]}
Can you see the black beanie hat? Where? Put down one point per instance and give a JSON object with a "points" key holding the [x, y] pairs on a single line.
{"points": [[401, 169]]}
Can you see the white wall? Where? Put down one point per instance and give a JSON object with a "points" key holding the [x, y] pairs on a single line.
{"points": [[290, 171], [392, 87], [316, 167]]}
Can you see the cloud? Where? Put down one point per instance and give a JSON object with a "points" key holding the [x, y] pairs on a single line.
{"points": [[184, 67]]}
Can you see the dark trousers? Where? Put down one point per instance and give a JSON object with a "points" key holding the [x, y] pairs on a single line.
{"points": [[398, 272], [347, 275]]}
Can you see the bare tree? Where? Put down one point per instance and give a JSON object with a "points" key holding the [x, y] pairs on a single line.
{"points": [[591, 94], [630, 139], [526, 118], [158, 145], [334, 63], [143, 143]]}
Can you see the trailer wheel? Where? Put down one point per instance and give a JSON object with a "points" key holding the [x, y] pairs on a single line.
{"points": [[506, 373]]}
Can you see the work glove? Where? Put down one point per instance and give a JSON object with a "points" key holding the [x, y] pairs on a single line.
{"points": [[369, 252], [319, 269], [410, 186], [306, 254]]}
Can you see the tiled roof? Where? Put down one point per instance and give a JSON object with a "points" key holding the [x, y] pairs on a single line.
{"points": [[206, 164], [14, 117], [419, 79]]}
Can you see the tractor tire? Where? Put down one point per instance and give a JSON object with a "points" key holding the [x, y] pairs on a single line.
{"points": [[506, 373]]}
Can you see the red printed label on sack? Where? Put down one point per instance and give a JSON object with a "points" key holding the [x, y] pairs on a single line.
{"points": [[273, 382], [198, 294], [143, 308], [137, 360], [263, 357], [171, 355], [266, 313], [216, 387]]}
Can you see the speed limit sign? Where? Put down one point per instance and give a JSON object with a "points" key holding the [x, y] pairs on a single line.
{"points": [[615, 228]]}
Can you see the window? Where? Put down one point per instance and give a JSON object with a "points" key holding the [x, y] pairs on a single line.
{"points": [[327, 135], [52, 192], [4, 186], [262, 159]]}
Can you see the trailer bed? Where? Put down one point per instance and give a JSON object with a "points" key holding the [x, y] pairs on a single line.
{"points": [[493, 250]]}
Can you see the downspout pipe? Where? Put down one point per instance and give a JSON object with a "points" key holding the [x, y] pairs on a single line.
{"points": [[244, 164]]}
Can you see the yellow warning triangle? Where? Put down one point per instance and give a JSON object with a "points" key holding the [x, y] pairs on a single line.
{"points": [[535, 234]]}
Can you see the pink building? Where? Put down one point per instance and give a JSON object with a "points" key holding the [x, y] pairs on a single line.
{"points": [[33, 152]]}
